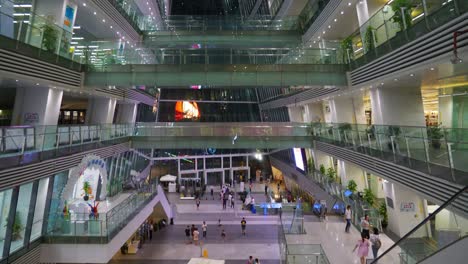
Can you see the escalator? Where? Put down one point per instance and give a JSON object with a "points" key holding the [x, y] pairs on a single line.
{"points": [[439, 236]]}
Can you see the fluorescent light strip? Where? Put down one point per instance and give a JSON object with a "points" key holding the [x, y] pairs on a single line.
{"points": [[22, 5], [77, 38], [21, 14]]}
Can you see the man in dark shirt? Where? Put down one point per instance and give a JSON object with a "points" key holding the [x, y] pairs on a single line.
{"points": [[243, 225], [187, 234]]}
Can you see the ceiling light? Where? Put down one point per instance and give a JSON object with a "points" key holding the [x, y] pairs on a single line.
{"points": [[37, 83], [432, 69], [382, 83], [104, 20], [110, 26], [349, 4], [94, 13], [315, 41], [329, 26], [411, 75], [318, 37], [335, 20], [323, 32], [84, 4], [76, 27], [395, 79], [16, 80], [342, 12]]}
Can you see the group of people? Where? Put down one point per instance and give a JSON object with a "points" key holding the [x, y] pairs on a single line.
{"points": [[367, 240], [253, 261], [193, 235], [227, 196]]}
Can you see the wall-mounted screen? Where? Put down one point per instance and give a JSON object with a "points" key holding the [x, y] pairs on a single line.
{"points": [[298, 158], [185, 110]]}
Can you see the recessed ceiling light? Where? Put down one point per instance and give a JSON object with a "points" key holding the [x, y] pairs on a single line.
{"points": [[37, 83], [329, 26], [382, 83], [395, 79], [94, 13], [315, 41], [318, 37], [335, 19], [323, 32], [84, 4], [110, 26], [349, 3], [104, 20], [411, 75], [310, 46], [17, 80], [432, 69], [342, 12]]}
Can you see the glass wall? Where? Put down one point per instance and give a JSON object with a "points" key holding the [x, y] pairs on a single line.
{"points": [[21, 217], [39, 209], [5, 201]]}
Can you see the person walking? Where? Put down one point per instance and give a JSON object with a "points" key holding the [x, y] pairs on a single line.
{"points": [[223, 235], [196, 234], [256, 261], [232, 203], [251, 260], [266, 189], [243, 225], [212, 192], [348, 218], [198, 203], [365, 226], [375, 241], [204, 227], [363, 245], [191, 230], [187, 234], [151, 229]]}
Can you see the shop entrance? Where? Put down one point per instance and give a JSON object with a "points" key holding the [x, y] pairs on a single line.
{"points": [[214, 178]]}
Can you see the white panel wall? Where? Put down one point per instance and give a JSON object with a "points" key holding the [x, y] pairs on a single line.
{"points": [[100, 111], [126, 113], [314, 112]]}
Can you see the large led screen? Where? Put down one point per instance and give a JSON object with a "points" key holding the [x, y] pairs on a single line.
{"points": [[298, 158], [185, 110]]}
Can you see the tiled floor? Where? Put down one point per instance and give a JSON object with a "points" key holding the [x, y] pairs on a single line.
{"points": [[169, 245]]}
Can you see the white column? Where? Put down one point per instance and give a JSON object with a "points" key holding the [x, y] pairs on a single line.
{"points": [[314, 112], [344, 109], [397, 106], [401, 221], [446, 111], [363, 15], [348, 172], [295, 114], [100, 111], [322, 159], [37, 106], [126, 113]]}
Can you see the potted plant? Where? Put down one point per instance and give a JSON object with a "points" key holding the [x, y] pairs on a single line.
{"points": [[322, 169], [331, 173], [352, 186], [407, 6], [383, 214], [347, 48], [368, 196], [86, 190], [369, 39], [49, 37], [434, 133]]}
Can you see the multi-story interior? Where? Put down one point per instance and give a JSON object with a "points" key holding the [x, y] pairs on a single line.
{"points": [[125, 122]]}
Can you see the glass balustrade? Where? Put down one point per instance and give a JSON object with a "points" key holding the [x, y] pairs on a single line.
{"points": [[437, 151], [306, 254], [395, 25], [85, 228], [447, 225], [37, 36]]}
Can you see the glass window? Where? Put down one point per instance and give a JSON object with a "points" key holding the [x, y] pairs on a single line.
{"points": [[5, 201], [39, 208], [56, 203], [21, 217]]}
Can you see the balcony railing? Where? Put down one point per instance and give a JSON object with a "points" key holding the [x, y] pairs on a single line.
{"points": [[438, 151], [390, 27]]}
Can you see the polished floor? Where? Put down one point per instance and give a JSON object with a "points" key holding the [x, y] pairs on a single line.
{"points": [[169, 245]]}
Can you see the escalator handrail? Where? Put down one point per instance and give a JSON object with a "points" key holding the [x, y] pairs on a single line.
{"points": [[427, 219]]}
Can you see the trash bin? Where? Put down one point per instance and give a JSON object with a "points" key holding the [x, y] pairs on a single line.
{"points": [[205, 253]]}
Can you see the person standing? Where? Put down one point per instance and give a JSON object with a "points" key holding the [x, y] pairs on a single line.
{"points": [[243, 225], [376, 243], [363, 245], [212, 192], [196, 234], [151, 229], [187, 234], [365, 226], [191, 230], [257, 261], [251, 260], [204, 227], [232, 203], [198, 203], [348, 218], [266, 189]]}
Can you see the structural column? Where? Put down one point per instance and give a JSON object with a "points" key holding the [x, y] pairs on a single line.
{"points": [[397, 106], [348, 172], [313, 112], [37, 106], [100, 111], [345, 109], [126, 113], [295, 114]]}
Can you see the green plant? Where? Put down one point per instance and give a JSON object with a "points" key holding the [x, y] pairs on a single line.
{"points": [[17, 227], [369, 196], [370, 39], [331, 173], [352, 186], [407, 6], [310, 164], [347, 48], [344, 127], [383, 214], [49, 37], [434, 133], [322, 169]]}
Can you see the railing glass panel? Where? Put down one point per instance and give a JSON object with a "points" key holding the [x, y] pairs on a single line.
{"points": [[445, 226]]}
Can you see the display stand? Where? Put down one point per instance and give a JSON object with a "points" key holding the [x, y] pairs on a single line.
{"points": [[94, 227], [172, 187]]}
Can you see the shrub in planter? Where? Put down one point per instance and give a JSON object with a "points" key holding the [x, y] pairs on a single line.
{"points": [[396, 6], [434, 133], [352, 186], [322, 169], [368, 196], [49, 37], [384, 215], [331, 173]]}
